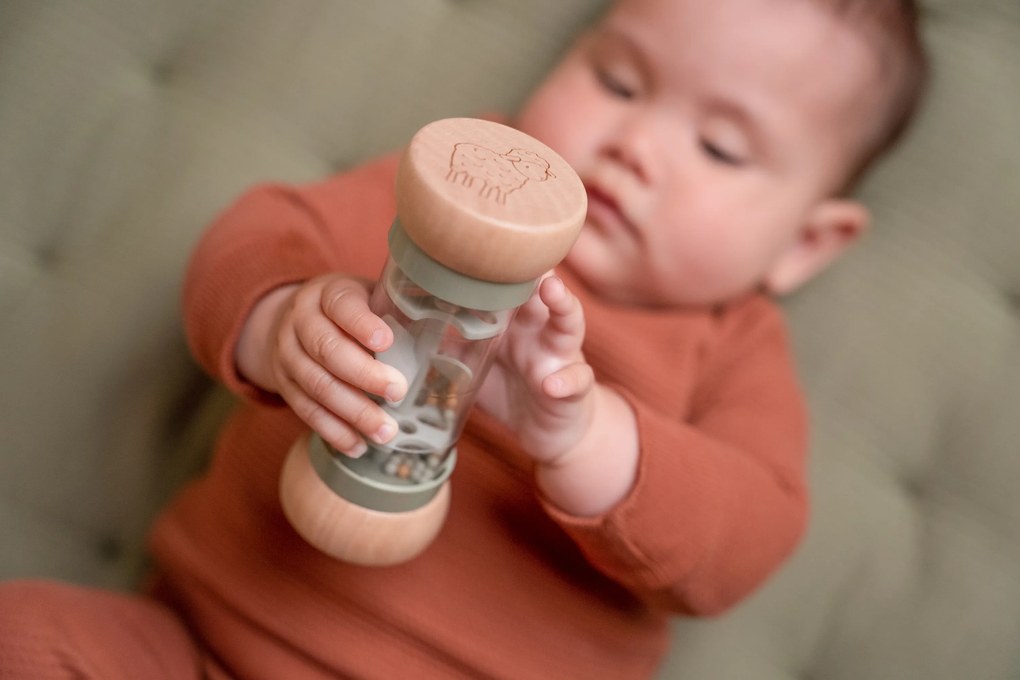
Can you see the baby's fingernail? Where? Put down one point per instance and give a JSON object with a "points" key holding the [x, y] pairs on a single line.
{"points": [[394, 392], [385, 432], [376, 339], [358, 450]]}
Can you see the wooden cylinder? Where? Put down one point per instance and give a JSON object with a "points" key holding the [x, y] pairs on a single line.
{"points": [[488, 201], [348, 531], [488, 208]]}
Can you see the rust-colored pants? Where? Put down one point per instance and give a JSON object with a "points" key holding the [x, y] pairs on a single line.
{"points": [[51, 630]]}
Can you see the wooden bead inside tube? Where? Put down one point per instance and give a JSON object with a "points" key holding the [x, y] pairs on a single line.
{"points": [[483, 211]]}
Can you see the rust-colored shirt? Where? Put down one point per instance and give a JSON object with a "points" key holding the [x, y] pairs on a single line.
{"points": [[512, 587]]}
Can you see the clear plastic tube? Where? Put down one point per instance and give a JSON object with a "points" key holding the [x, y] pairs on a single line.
{"points": [[444, 350]]}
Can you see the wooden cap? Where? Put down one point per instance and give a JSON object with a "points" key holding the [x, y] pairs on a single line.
{"points": [[488, 201]]}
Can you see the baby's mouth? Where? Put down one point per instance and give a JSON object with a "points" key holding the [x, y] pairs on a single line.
{"points": [[605, 212]]}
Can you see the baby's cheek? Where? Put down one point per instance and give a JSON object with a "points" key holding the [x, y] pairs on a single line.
{"points": [[710, 267], [562, 115]]}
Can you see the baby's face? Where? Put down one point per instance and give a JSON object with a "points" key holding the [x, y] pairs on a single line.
{"points": [[706, 134]]}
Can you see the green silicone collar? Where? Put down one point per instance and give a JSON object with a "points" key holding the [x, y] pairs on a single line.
{"points": [[360, 480], [451, 285]]}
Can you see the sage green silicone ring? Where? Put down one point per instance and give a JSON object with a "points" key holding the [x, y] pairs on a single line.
{"points": [[361, 481], [451, 285]]}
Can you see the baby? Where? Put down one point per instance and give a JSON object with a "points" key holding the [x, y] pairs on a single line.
{"points": [[639, 449]]}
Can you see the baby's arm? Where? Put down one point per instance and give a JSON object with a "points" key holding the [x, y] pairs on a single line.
{"points": [[581, 434], [310, 343], [719, 498], [275, 240]]}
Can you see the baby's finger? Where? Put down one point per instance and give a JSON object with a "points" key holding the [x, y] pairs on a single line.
{"points": [[345, 302], [334, 350], [339, 434], [566, 316], [533, 313], [572, 381], [313, 381], [313, 388]]}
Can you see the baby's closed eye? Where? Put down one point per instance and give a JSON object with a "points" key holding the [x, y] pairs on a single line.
{"points": [[616, 83], [724, 141], [720, 153]]}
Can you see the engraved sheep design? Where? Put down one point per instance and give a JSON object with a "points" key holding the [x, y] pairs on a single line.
{"points": [[497, 175]]}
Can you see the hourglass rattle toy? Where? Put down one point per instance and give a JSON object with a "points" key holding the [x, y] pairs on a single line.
{"points": [[483, 211]]}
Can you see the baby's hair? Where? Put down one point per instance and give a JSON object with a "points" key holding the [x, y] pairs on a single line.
{"points": [[893, 27]]}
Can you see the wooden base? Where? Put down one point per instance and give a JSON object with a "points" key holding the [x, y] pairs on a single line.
{"points": [[348, 531]]}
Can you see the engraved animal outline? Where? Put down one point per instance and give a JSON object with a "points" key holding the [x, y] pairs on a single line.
{"points": [[497, 175]]}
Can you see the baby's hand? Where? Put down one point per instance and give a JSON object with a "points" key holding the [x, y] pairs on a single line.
{"points": [[540, 384], [312, 344]]}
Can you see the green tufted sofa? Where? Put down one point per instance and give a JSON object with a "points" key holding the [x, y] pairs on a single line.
{"points": [[126, 124]]}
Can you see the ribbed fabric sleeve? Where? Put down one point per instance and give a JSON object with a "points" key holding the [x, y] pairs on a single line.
{"points": [[274, 235], [719, 501]]}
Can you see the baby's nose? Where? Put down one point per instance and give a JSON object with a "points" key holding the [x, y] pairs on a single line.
{"points": [[635, 145]]}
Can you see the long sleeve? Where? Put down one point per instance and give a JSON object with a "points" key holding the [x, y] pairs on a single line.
{"points": [[719, 500], [274, 235]]}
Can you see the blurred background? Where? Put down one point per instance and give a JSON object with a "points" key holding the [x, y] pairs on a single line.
{"points": [[126, 125]]}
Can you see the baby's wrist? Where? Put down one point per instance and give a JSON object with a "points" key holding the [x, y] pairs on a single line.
{"points": [[598, 472], [254, 345]]}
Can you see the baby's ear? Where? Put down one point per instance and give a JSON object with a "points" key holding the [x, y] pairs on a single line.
{"points": [[832, 226]]}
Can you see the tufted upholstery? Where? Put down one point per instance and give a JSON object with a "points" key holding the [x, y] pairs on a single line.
{"points": [[126, 124]]}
